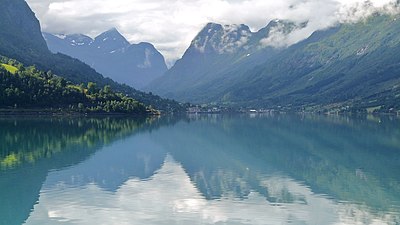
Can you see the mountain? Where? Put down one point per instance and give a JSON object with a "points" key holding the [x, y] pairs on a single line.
{"points": [[21, 39], [213, 57], [20, 34], [113, 56], [352, 65]]}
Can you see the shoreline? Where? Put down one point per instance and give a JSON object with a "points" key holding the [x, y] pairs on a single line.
{"points": [[58, 112], [52, 112]]}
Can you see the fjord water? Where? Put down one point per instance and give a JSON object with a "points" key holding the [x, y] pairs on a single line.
{"points": [[270, 169]]}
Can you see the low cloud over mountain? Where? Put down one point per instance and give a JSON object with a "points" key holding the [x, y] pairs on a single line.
{"points": [[172, 24]]}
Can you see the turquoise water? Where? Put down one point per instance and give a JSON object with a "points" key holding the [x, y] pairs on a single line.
{"points": [[248, 169]]}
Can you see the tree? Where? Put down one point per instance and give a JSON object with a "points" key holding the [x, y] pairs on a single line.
{"points": [[107, 89], [91, 88], [80, 106]]}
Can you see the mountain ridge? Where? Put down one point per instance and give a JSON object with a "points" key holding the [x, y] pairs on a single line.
{"points": [[216, 50], [333, 69], [112, 55]]}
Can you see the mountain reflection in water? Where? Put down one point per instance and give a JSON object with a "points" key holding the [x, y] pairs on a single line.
{"points": [[206, 170]]}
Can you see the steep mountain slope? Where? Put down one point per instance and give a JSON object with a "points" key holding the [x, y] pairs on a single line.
{"points": [[213, 57], [19, 33], [349, 66], [355, 65], [21, 39], [113, 56]]}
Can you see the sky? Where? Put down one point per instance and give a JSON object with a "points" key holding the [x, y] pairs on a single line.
{"points": [[171, 24]]}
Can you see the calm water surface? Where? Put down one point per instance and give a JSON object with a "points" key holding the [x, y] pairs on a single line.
{"points": [[272, 169]]}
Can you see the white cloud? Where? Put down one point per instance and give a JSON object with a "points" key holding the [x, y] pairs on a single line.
{"points": [[171, 24]]}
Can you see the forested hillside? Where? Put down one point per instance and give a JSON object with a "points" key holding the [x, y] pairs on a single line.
{"points": [[23, 88]]}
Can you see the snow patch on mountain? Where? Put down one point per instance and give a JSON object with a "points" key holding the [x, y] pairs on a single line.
{"points": [[147, 61], [222, 39], [61, 36], [283, 34], [234, 37]]}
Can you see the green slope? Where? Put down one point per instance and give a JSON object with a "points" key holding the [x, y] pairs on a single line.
{"points": [[358, 65], [29, 88], [9, 68]]}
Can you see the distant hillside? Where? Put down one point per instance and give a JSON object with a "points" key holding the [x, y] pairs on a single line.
{"points": [[28, 88], [112, 55], [21, 39], [349, 66]]}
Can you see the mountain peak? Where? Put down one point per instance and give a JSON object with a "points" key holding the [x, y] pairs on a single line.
{"points": [[110, 40], [214, 27], [146, 45], [112, 32], [220, 39], [275, 34], [78, 39], [70, 39], [287, 25], [113, 29]]}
